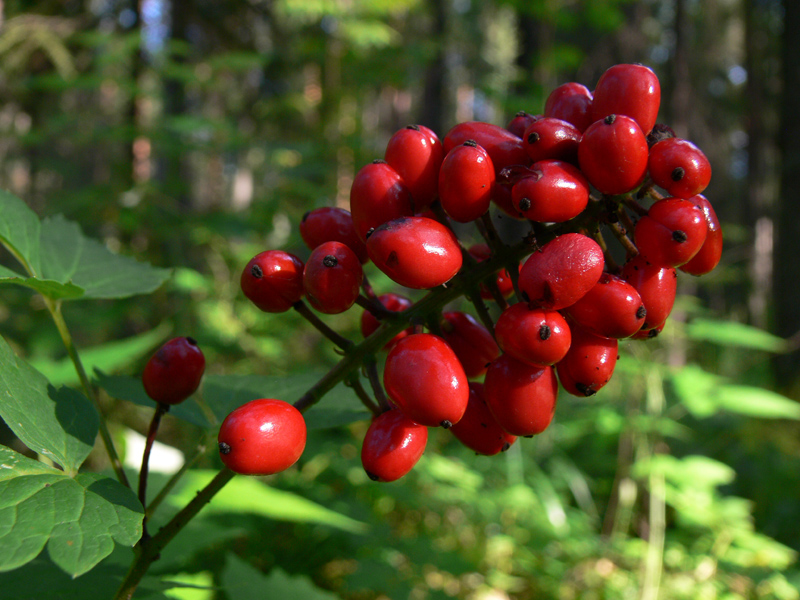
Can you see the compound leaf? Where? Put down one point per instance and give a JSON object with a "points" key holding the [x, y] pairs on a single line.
{"points": [[78, 519]]}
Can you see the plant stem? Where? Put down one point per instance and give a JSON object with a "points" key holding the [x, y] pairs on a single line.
{"points": [[329, 333], [355, 382], [54, 307], [149, 550], [161, 409], [164, 492]]}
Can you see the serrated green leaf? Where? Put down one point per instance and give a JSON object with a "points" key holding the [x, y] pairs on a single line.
{"points": [[67, 255], [731, 333], [58, 423], [55, 251], [249, 495], [78, 519], [46, 287], [105, 357], [19, 228], [244, 582], [757, 402]]}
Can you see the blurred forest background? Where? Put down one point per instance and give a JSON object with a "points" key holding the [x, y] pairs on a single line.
{"points": [[195, 134]]}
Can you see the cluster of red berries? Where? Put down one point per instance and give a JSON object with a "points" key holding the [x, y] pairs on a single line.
{"points": [[587, 166]]}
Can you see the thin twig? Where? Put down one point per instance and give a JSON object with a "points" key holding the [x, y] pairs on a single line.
{"points": [[329, 333]]}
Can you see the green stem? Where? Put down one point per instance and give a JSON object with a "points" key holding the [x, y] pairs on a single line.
{"points": [[149, 550], [55, 312], [355, 382], [172, 482]]}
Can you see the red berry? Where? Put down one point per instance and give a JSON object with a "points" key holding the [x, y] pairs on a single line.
{"points": [[613, 154], [501, 196], [589, 363], [392, 446], [273, 280], [416, 252], [535, 336], [478, 430], [395, 303], [570, 102], [465, 182], [378, 194], [631, 90], [680, 167], [708, 257], [262, 437], [555, 192], [521, 122], [425, 380], [552, 138], [416, 153], [332, 278], [521, 397], [671, 232], [561, 272], [332, 224], [656, 286], [174, 372], [612, 308], [472, 342], [504, 148]]}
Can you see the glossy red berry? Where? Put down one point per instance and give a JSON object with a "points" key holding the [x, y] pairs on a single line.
{"points": [[416, 153], [378, 194], [501, 197], [561, 272], [570, 102], [174, 372], [262, 437], [612, 308], [465, 182], [504, 148], [589, 363], [521, 122], [472, 342], [424, 378], [710, 253], [392, 446], [521, 397], [552, 139], [555, 192], [273, 280], [478, 430], [680, 167], [657, 287], [631, 90], [416, 252], [332, 278], [535, 336], [671, 232], [394, 302], [332, 224], [613, 154]]}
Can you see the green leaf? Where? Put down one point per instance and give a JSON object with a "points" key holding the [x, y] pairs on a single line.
{"points": [[62, 263], [730, 333], [224, 393], [67, 255], [19, 228], [105, 357], [78, 519], [244, 582], [249, 495], [757, 402], [46, 287], [696, 389], [60, 424]]}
